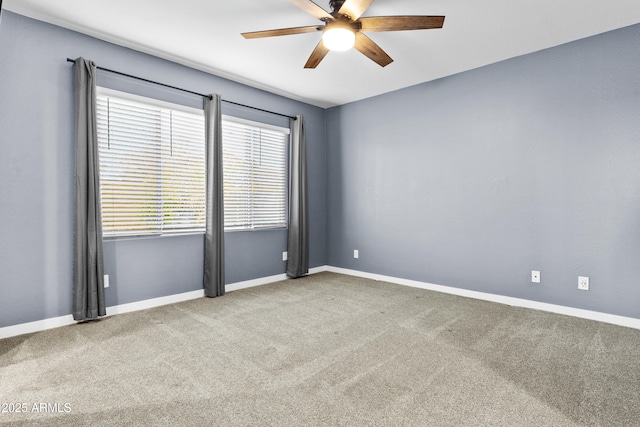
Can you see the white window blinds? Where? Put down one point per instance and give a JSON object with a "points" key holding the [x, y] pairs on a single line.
{"points": [[255, 175], [152, 167]]}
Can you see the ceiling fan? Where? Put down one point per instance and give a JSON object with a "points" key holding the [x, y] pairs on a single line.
{"points": [[343, 28]]}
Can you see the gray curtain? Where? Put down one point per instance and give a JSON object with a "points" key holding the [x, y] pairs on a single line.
{"points": [[214, 236], [298, 241], [88, 272]]}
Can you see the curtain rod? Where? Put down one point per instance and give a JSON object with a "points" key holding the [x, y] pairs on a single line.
{"points": [[185, 90]]}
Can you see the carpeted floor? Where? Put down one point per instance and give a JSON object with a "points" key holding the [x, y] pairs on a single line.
{"points": [[325, 350]]}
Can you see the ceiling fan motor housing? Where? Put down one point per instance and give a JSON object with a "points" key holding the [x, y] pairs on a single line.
{"points": [[343, 23]]}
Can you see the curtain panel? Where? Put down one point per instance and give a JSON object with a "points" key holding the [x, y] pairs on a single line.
{"points": [[214, 235], [298, 238], [88, 275]]}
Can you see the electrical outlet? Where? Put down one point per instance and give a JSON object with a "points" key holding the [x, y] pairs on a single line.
{"points": [[535, 276], [284, 255], [583, 283], [106, 280], [356, 254]]}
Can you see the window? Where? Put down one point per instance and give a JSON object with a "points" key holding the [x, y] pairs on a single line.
{"points": [[152, 166], [255, 175], [152, 169]]}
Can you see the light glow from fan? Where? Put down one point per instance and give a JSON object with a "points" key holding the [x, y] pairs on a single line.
{"points": [[338, 38]]}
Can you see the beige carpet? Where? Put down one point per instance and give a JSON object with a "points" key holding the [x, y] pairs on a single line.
{"points": [[326, 350]]}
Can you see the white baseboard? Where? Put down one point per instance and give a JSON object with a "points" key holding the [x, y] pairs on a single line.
{"points": [[39, 325], [154, 302], [628, 322], [56, 322], [266, 280]]}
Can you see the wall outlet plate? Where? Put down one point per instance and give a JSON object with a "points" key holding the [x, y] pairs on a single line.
{"points": [[106, 280], [535, 276], [284, 255], [583, 283], [356, 254]]}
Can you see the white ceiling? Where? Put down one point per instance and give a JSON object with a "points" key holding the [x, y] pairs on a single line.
{"points": [[205, 34]]}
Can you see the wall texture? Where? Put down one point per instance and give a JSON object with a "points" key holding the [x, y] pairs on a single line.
{"points": [[474, 180], [37, 169]]}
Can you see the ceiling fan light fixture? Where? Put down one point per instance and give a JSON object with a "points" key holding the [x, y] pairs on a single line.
{"points": [[344, 28], [338, 38]]}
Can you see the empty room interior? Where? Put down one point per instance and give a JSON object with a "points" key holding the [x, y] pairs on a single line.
{"points": [[438, 224]]}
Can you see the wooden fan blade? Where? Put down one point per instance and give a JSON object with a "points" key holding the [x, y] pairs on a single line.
{"points": [[368, 48], [317, 55], [354, 8], [282, 32], [400, 23], [312, 9]]}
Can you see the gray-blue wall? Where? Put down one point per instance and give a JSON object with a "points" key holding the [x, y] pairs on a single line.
{"points": [[36, 176], [470, 181], [474, 180]]}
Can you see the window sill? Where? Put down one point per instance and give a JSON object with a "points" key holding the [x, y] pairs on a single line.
{"points": [[200, 233]]}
